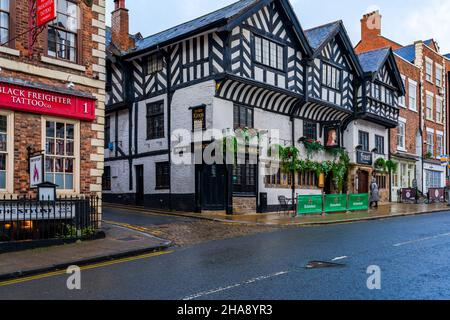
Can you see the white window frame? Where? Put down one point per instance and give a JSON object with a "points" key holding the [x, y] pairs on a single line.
{"points": [[401, 121], [9, 188], [430, 144], [429, 63], [439, 75], [440, 101], [77, 146], [439, 149], [427, 105], [402, 99], [412, 94]]}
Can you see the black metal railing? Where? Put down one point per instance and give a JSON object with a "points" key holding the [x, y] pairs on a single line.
{"points": [[26, 218]]}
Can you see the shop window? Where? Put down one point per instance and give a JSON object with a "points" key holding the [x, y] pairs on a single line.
{"points": [[62, 32], [307, 179], [379, 144], [364, 140], [60, 154], [4, 21], [269, 53], [310, 130], [243, 117], [155, 121], [331, 76], [433, 179], [154, 63], [162, 175], [106, 182], [381, 181], [3, 150]]}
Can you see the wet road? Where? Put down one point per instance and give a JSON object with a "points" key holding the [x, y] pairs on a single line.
{"points": [[140, 219], [413, 254]]}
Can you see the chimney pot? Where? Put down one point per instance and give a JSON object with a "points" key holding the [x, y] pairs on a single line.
{"points": [[119, 4]]}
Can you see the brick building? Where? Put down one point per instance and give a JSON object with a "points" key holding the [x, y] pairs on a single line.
{"points": [[52, 95], [420, 138]]}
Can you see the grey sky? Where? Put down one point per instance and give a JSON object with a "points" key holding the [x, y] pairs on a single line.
{"points": [[403, 21]]}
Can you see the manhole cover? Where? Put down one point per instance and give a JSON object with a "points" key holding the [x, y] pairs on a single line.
{"points": [[323, 265]]}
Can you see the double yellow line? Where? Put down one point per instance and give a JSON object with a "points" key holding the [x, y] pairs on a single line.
{"points": [[88, 267]]}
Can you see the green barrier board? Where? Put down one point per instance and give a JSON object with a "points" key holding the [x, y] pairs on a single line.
{"points": [[335, 203], [309, 205], [358, 202]]}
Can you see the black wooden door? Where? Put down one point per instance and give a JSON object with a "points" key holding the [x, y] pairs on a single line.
{"points": [[140, 185], [213, 191]]}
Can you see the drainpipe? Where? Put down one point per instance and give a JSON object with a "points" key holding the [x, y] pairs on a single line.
{"points": [[292, 173]]}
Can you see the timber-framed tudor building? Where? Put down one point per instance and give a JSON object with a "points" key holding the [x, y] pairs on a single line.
{"points": [[247, 65]]}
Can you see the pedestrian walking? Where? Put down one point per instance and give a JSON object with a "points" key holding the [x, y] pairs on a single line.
{"points": [[374, 194]]}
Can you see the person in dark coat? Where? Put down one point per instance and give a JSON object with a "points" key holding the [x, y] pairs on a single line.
{"points": [[374, 194]]}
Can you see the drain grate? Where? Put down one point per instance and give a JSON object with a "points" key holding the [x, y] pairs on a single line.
{"points": [[128, 239], [323, 265]]}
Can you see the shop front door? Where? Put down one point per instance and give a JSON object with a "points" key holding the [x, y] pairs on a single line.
{"points": [[363, 182], [213, 187]]}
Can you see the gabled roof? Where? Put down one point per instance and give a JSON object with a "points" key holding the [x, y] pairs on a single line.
{"points": [[193, 26], [227, 16], [373, 61], [319, 37]]}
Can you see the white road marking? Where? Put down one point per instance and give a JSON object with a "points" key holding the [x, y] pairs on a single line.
{"points": [[206, 293], [339, 258], [422, 240]]}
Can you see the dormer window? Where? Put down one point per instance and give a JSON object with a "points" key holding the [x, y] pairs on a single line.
{"points": [[154, 63], [269, 53], [331, 76]]}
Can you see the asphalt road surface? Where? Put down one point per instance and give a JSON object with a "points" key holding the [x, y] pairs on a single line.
{"points": [[140, 219], [412, 253]]}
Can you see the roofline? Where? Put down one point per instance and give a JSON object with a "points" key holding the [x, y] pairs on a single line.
{"points": [[346, 39]]}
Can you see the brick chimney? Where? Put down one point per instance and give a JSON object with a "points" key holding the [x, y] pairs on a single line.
{"points": [[371, 26], [120, 26]]}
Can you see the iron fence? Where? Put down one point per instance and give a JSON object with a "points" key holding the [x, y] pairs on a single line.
{"points": [[26, 218]]}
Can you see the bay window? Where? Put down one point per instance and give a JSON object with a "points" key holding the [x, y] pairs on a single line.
{"points": [[61, 154], [62, 32]]}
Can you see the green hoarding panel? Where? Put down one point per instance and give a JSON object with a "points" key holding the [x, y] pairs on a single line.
{"points": [[358, 202], [309, 205], [335, 203]]}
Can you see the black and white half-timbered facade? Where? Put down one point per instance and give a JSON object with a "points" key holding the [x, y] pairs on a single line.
{"points": [[248, 65], [367, 137]]}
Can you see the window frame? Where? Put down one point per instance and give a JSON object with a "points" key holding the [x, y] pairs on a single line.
{"points": [[240, 125], [151, 116], [9, 163], [379, 138], [78, 39], [402, 99], [411, 85], [159, 62], [162, 178], [439, 71], [365, 134], [268, 62], [76, 156], [245, 188], [439, 145], [430, 143], [402, 146], [326, 66], [107, 131], [309, 125], [439, 101], [428, 105], [429, 76], [12, 24]]}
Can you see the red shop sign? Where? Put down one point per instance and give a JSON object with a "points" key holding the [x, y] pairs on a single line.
{"points": [[46, 102], [45, 11]]}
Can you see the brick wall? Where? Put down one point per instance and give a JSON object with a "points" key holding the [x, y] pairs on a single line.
{"points": [[87, 75]]}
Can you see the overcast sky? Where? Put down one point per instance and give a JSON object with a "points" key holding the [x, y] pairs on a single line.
{"points": [[403, 21]]}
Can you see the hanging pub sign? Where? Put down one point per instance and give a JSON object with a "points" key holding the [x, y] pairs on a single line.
{"points": [[40, 101], [198, 118], [332, 137], [45, 11], [364, 158], [36, 170]]}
